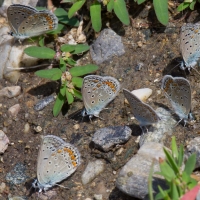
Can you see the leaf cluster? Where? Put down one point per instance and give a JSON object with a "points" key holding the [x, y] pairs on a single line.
{"points": [[176, 174], [67, 73]]}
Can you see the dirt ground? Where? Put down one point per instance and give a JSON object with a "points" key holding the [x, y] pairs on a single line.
{"points": [[151, 46]]}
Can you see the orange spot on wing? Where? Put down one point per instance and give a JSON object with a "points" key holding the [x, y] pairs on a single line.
{"points": [[59, 151]]}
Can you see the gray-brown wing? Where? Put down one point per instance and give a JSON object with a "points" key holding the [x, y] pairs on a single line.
{"points": [[189, 43], [98, 91], [38, 23], [144, 113], [178, 91], [17, 13]]}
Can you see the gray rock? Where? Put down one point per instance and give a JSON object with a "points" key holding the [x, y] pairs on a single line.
{"points": [[133, 177], [106, 138], [17, 175], [107, 45], [44, 102], [159, 131], [92, 170], [194, 147]]}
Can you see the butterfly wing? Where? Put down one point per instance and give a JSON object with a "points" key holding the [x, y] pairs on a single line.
{"points": [[144, 113], [189, 44], [38, 23], [178, 91], [17, 13], [56, 161], [97, 92]]}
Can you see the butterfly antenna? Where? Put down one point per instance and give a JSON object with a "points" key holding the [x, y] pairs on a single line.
{"points": [[179, 122], [62, 186], [174, 68]]}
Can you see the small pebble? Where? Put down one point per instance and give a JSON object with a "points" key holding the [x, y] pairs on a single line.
{"points": [[10, 92], [4, 141], [106, 138], [2, 187], [44, 102], [38, 129], [76, 126], [119, 151], [13, 111], [26, 128], [98, 196], [92, 170], [49, 194]]}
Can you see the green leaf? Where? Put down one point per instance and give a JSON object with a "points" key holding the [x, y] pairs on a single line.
{"points": [[80, 48], [62, 65], [40, 52], [41, 41], [77, 82], [185, 177], [171, 161], [52, 74], [174, 191], [77, 94], [110, 5], [71, 62], [183, 6], [56, 31], [162, 195], [70, 97], [75, 49], [180, 156], [95, 15], [192, 5], [82, 70], [161, 10], [76, 6], [67, 47], [60, 100], [41, 8], [62, 16], [140, 1], [121, 11], [192, 183], [63, 90], [174, 148], [167, 171], [190, 164], [150, 182], [67, 1]]}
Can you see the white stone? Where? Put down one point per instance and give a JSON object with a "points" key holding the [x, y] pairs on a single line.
{"points": [[26, 128], [12, 55], [4, 141], [10, 92], [92, 170], [143, 94]]}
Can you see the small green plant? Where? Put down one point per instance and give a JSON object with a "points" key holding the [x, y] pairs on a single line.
{"points": [[187, 4], [67, 72], [176, 174], [119, 7]]}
